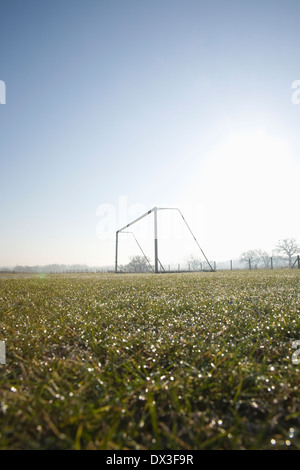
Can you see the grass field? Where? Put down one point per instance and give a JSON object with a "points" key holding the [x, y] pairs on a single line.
{"points": [[173, 361]]}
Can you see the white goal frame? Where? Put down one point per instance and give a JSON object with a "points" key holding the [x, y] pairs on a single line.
{"points": [[156, 260]]}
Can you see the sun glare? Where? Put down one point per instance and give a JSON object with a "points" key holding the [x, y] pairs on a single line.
{"points": [[247, 188], [251, 161]]}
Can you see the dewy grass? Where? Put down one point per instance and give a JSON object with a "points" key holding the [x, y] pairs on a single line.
{"points": [[187, 361]]}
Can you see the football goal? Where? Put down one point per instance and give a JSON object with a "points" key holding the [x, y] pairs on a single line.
{"points": [[157, 267]]}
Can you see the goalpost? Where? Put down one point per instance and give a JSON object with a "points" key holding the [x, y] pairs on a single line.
{"points": [[154, 210]]}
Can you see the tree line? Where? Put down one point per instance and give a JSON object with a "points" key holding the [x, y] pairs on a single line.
{"points": [[55, 268], [284, 252], [282, 255]]}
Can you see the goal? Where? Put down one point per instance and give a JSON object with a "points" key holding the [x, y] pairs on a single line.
{"points": [[158, 266]]}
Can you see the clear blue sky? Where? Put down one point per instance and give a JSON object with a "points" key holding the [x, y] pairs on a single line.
{"points": [[151, 103]]}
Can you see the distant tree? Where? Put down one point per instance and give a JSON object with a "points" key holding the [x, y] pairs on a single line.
{"points": [[263, 257], [194, 263], [138, 264], [249, 257], [288, 247]]}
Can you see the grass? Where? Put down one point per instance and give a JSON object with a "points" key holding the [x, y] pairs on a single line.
{"points": [[173, 361]]}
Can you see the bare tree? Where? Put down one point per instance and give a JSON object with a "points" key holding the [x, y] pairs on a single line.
{"points": [[288, 247], [138, 264], [249, 257], [194, 263], [264, 258]]}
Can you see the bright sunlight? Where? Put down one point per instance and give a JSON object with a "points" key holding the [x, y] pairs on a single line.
{"points": [[247, 189]]}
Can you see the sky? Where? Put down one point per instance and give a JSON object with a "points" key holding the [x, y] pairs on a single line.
{"points": [[111, 108]]}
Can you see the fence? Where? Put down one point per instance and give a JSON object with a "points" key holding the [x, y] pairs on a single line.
{"points": [[272, 262]]}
